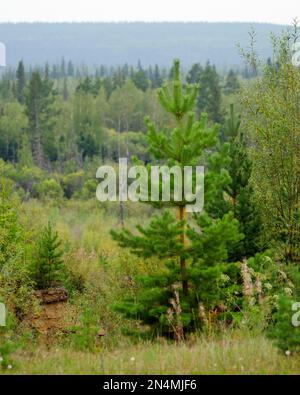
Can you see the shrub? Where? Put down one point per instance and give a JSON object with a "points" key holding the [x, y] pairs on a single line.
{"points": [[47, 268], [49, 188], [15, 284], [286, 335], [89, 189], [72, 183], [286, 328], [10, 229]]}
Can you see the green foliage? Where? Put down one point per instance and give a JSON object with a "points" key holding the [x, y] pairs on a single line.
{"points": [[6, 349], [21, 80], [13, 122], [140, 80], [240, 191], [48, 189], [192, 258], [72, 182], [232, 84], [272, 118], [11, 233], [87, 124], [286, 335], [84, 335], [210, 94], [285, 328], [41, 112], [25, 153], [47, 268], [15, 283]]}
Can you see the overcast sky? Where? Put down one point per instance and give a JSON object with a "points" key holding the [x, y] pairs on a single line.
{"points": [[150, 10]]}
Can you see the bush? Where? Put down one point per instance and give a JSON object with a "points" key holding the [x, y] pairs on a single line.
{"points": [[84, 335], [49, 188], [16, 287], [10, 230], [286, 334], [72, 183], [48, 267], [286, 328], [89, 189]]}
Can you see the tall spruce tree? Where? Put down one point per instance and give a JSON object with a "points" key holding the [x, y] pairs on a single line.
{"points": [[40, 111], [192, 253], [232, 84], [240, 190], [210, 94], [21, 81]]}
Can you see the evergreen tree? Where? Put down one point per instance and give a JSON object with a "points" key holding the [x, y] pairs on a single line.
{"points": [[240, 190], [87, 123], [194, 74], [141, 80], [20, 82], [232, 84], [47, 268], [157, 79], [41, 115], [70, 69], [192, 257], [65, 89], [210, 95]]}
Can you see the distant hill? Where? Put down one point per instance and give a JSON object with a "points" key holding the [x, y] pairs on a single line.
{"points": [[118, 43]]}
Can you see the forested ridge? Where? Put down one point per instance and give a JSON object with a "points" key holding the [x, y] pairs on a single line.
{"points": [[118, 43]]}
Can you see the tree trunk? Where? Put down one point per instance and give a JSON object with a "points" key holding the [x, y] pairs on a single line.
{"points": [[182, 215]]}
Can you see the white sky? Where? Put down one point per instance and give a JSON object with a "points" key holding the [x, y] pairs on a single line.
{"points": [[273, 11]]}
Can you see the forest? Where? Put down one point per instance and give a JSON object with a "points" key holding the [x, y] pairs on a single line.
{"points": [[142, 287]]}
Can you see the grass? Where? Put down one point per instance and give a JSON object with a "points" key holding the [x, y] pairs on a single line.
{"points": [[84, 229], [234, 353]]}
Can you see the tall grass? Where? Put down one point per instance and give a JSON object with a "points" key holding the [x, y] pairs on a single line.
{"points": [[232, 353]]}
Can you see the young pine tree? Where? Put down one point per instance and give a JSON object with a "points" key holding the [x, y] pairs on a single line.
{"points": [[192, 258], [47, 269]]}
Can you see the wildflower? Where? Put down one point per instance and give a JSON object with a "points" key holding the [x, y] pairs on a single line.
{"points": [[1, 359], [247, 280], [174, 316], [132, 359], [9, 367], [287, 353], [282, 274], [224, 278], [202, 313], [258, 286], [268, 286]]}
